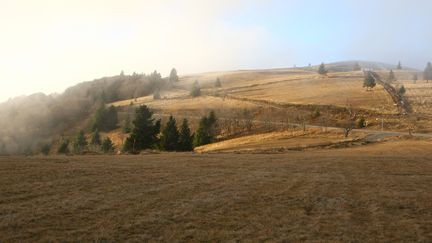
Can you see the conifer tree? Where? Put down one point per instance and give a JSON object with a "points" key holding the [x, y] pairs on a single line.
{"points": [[196, 89], [95, 138], [80, 142], [105, 119], [428, 72], [170, 136], [145, 131], [399, 66], [205, 132], [63, 147], [322, 70], [173, 76], [369, 81], [185, 138], [218, 83], [127, 125], [107, 145], [402, 90], [392, 76]]}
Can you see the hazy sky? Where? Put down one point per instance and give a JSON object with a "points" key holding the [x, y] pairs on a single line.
{"points": [[48, 45]]}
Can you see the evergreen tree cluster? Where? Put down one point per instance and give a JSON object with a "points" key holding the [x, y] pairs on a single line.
{"points": [[145, 134], [105, 119], [174, 140], [80, 144]]}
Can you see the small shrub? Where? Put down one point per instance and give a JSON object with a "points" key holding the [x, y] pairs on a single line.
{"points": [[361, 123]]}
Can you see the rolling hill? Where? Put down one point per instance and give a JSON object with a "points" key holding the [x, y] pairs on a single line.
{"points": [[264, 98]]}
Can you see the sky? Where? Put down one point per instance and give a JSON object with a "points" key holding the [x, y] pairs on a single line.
{"points": [[49, 45]]}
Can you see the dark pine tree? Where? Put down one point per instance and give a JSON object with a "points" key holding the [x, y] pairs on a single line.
{"points": [[170, 136], [107, 145], [145, 131], [185, 139]]}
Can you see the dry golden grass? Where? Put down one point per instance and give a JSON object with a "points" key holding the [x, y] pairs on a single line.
{"points": [[419, 95], [379, 193], [283, 140], [339, 89]]}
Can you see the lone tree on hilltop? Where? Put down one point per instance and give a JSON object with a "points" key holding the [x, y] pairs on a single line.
{"points": [[356, 67], [170, 136], [369, 82], [399, 66], [391, 76], [428, 72], [322, 69], [145, 131], [185, 138]]}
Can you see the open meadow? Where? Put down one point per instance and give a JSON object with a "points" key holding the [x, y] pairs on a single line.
{"points": [[367, 194]]}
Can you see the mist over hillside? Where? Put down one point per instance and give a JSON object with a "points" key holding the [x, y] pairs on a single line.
{"points": [[29, 122]]}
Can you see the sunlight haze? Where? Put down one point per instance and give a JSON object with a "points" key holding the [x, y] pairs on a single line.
{"points": [[47, 46]]}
